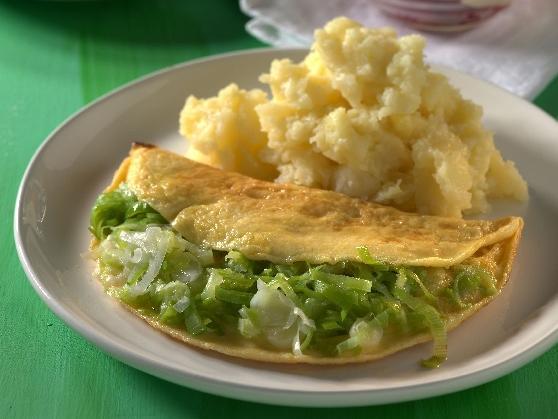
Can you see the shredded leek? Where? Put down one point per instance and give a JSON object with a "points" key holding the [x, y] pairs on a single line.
{"points": [[121, 209], [335, 309], [431, 317]]}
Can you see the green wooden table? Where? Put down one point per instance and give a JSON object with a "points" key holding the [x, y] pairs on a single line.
{"points": [[54, 58]]}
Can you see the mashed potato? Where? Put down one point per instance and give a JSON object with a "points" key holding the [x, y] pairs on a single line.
{"points": [[362, 115], [224, 131]]}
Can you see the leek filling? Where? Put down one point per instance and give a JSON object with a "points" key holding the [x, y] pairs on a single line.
{"points": [[324, 310]]}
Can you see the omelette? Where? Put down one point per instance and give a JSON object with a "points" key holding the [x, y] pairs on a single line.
{"points": [[285, 273]]}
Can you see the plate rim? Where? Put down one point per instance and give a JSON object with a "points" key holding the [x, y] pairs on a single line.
{"points": [[141, 360]]}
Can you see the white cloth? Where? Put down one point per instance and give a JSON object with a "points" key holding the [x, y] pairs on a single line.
{"points": [[516, 49]]}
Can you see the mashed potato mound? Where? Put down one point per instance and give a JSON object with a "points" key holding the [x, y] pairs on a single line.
{"points": [[362, 115], [224, 131]]}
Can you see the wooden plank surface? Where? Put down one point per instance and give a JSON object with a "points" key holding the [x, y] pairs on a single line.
{"points": [[54, 58]]}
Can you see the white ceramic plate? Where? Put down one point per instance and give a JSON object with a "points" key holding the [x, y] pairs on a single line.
{"points": [[77, 161]]}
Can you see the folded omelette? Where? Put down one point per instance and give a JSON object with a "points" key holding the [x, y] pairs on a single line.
{"points": [[284, 273]]}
